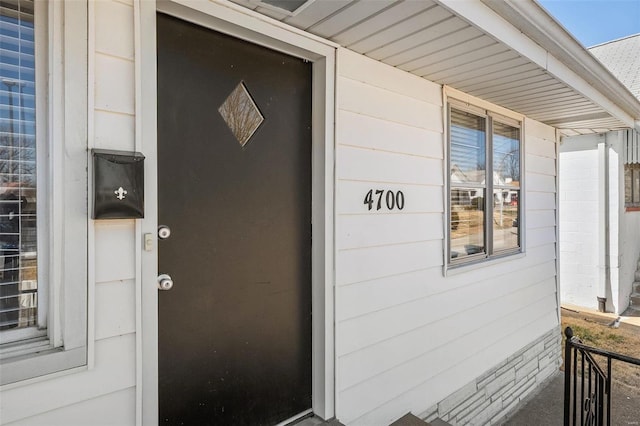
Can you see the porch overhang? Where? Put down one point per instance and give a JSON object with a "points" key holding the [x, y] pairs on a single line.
{"points": [[511, 53]]}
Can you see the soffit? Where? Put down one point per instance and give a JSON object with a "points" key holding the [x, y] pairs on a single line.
{"points": [[426, 39]]}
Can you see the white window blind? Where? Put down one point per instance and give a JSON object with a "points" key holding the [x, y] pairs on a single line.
{"points": [[18, 242]]}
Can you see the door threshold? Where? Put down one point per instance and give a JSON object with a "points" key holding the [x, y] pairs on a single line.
{"points": [[296, 418]]}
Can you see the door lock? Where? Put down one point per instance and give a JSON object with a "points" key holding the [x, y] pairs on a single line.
{"points": [[164, 232], [164, 282]]}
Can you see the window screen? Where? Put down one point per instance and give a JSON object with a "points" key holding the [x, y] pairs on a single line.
{"points": [[18, 243]]}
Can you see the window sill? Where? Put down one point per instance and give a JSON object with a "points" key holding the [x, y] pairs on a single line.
{"points": [[21, 348], [461, 268], [35, 359]]}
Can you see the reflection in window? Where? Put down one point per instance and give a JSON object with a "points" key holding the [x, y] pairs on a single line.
{"points": [[467, 177], [506, 186], [506, 154], [506, 232], [468, 147], [483, 164], [18, 251], [467, 222]]}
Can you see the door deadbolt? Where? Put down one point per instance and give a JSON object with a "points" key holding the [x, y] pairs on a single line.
{"points": [[164, 282], [164, 232]]}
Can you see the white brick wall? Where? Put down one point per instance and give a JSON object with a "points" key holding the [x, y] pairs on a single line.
{"points": [[579, 227]]}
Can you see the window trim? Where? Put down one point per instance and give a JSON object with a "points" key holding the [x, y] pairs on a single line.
{"points": [[39, 330], [490, 116], [62, 219], [632, 169]]}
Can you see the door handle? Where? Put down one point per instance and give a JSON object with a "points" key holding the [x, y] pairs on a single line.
{"points": [[165, 282]]}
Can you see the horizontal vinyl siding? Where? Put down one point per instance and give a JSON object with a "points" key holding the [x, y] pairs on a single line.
{"points": [[115, 309], [114, 370], [115, 250], [114, 130], [104, 394], [95, 412], [407, 336], [114, 245]]}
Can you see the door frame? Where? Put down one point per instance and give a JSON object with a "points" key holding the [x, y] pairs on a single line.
{"points": [[242, 23]]}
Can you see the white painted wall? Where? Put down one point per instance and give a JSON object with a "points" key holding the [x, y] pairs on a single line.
{"points": [[406, 336], [579, 229], [103, 394], [628, 236], [629, 254], [580, 239]]}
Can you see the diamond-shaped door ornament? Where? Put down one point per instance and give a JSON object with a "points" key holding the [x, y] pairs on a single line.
{"points": [[241, 114]]}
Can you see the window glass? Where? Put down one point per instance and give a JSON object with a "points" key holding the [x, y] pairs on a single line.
{"points": [[636, 185], [506, 229], [29, 346], [485, 187], [506, 155], [18, 243], [468, 148], [632, 185], [467, 222], [468, 180]]}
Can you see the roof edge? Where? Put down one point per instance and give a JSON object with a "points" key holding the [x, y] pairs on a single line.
{"points": [[613, 41], [534, 21]]}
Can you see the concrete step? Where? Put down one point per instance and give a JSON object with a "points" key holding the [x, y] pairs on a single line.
{"points": [[412, 420], [637, 275], [635, 300], [317, 421], [632, 311], [636, 287]]}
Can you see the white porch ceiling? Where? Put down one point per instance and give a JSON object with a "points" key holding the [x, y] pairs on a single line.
{"points": [[427, 39]]}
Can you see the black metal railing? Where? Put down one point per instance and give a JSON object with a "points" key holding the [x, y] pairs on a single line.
{"points": [[587, 385]]}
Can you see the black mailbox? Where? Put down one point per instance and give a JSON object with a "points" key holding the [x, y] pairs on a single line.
{"points": [[118, 184]]}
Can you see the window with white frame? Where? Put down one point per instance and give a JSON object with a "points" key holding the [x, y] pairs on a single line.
{"points": [[485, 194], [43, 188], [18, 194], [632, 185]]}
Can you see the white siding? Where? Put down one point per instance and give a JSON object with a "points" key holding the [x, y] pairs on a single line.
{"points": [[104, 394], [114, 371], [95, 412], [407, 336]]}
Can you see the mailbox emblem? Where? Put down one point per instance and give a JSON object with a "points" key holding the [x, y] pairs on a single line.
{"points": [[120, 193]]}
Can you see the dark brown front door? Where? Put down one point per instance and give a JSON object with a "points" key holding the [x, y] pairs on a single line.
{"points": [[234, 182]]}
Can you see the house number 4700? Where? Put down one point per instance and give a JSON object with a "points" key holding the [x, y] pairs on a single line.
{"points": [[392, 200]]}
